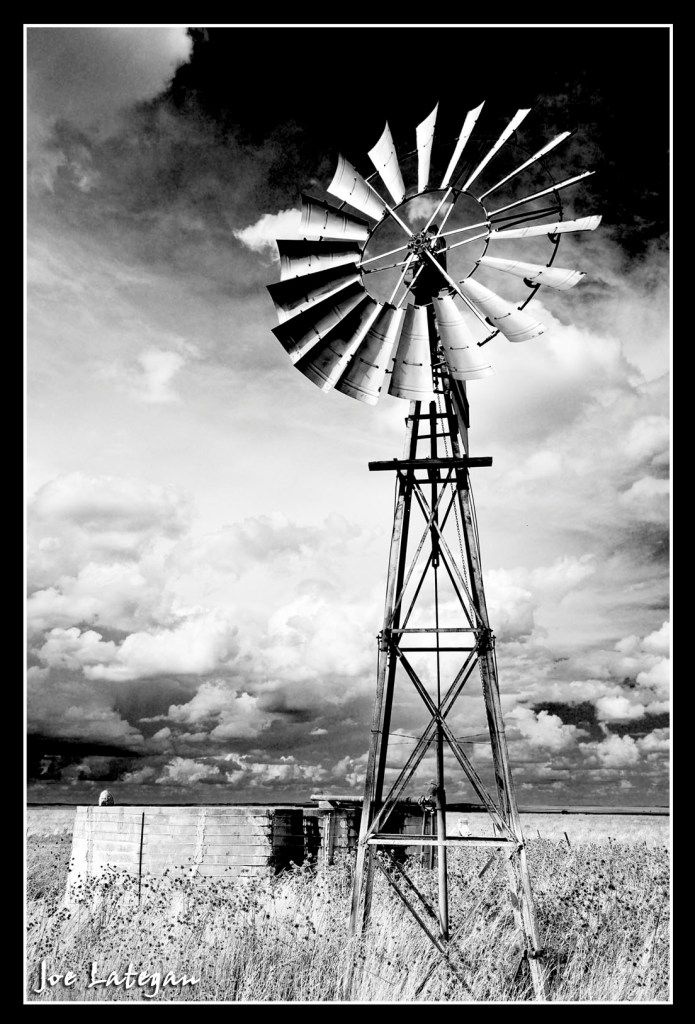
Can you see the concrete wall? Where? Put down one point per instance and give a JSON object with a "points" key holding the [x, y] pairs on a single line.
{"points": [[212, 841]]}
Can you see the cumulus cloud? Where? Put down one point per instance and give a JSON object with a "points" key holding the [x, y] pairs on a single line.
{"points": [[616, 707], [658, 642], [274, 649], [140, 775], [655, 744], [199, 645], [226, 713], [186, 771], [261, 236], [76, 519], [114, 503], [511, 606], [118, 594], [514, 595], [255, 774], [543, 729], [623, 682], [302, 646], [616, 751]]}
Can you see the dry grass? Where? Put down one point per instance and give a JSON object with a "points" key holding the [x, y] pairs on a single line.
{"points": [[603, 914]]}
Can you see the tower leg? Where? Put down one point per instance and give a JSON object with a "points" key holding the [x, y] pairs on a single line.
{"points": [[442, 876], [381, 717], [518, 868]]}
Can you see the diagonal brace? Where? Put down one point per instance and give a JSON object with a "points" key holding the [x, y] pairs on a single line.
{"points": [[459, 753], [445, 547], [422, 746]]}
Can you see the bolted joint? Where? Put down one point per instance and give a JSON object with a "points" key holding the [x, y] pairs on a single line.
{"points": [[485, 640], [384, 640]]}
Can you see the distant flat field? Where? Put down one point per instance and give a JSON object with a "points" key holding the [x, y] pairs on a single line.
{"points": [[649, 827], [580, 828]]}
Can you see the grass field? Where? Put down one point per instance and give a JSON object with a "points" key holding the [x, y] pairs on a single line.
{"points": [[602, 907]]}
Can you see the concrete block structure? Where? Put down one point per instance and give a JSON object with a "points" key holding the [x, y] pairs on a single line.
{"points": [[213, 841]]}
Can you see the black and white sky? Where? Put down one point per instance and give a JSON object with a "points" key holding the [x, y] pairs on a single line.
{"points": [[206, 548]]}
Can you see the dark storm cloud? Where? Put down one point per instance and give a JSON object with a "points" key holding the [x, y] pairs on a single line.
{"points": [[48, 757], [135, 702], [575, 76]]}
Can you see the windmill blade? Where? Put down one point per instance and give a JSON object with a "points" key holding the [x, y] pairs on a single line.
{"points": [[349, 185], [298, 258], [298, 293], [300, 333], [424, 137], [506, 134], [531, 160], [321, 220], [466, 131], [365, 373], [325, 365], [544, 192], [412, 368], [513, 323], [466, 360], [535, 273], [384, 158], [583, 224]]}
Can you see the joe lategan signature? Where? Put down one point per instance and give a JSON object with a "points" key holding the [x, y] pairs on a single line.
{"points": [[150, 982]]}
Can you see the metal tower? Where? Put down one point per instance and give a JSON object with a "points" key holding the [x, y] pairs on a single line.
{"points": [[433, 478]]}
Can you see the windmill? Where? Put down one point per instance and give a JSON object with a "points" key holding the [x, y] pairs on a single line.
{"points": [[382, 293]]}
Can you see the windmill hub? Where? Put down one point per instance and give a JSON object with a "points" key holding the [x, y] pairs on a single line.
{"points": [[416, 211], [421, 242]]}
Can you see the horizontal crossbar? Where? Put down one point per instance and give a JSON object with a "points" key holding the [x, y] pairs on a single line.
{"points": [[397, 839], [427, 481], [444, 463], [435, 650], [437, 629]]}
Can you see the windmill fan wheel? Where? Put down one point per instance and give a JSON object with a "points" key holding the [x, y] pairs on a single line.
{"points": [[384, 286]]}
